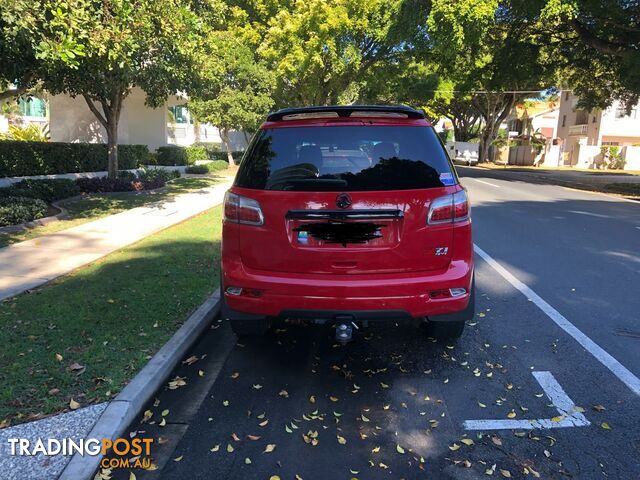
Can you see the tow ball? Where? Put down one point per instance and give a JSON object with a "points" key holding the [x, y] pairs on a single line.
{"points": [[344, 331]]}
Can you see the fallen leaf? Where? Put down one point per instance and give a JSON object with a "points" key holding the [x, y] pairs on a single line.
{"points": [[215, 448], [333, 399], [605, 425], [511, 414], [274, 477], [496, 440], [190, 361], [269, 448], [284, 393], [73, 405], [235, 437], [375, 450], [454, 447], [489, 471], [247, 461], [225, 403], [257, 386], [598, 408], [162, 423], [254, 437], [229, 448], [505, 473], [312, 399], [467, 441], [384, 385], [132, 476], [482, 405], [165, 413], [399, 449], [177, 459], [59, 357], [341, 440], [235, 375], [264, 424], [364, 419]]}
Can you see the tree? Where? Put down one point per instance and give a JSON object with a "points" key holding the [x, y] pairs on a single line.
{"points": [[490, 54], [595, 45], [238, 95], [125, 44], [21, 64], [321, 50]]}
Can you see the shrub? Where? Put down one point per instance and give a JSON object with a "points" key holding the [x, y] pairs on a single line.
{"points": [[15, 210], [197, 169], [217, 165], [195, 152], [154, 174], [48, 190], [210, 147], [171, 155], [214, 166], [28, 133], [45, 158], [127, 175], [104, 184], [237, 156]]}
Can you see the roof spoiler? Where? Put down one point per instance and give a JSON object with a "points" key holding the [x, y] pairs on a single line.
{"points": [[345, 111]]}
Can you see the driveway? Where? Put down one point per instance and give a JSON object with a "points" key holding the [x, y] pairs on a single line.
{"points": [[543, 384]]}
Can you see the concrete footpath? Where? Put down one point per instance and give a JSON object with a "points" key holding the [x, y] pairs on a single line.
{"points": [[28, 264]]}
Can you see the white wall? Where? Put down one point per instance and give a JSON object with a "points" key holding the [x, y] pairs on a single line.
{"points": [[632, 157], [72, 121]]}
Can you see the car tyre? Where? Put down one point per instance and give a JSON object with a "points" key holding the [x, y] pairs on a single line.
{"points": [[451, 327]]}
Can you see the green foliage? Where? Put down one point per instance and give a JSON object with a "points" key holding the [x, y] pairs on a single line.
{"points": [[197, 169], [48, 190], [596, 49], [196, 152], [46, 158], [28, 133], [237, 156], [16, 210], [613, 157], [320, 50], [154, 174], [238, 95], [172, 155]]}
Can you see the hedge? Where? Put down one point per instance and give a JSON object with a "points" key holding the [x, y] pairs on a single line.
{"points": [[237, 156], [15, 210], [45, 158], [48, 190], [213, 166], [175, 155]]}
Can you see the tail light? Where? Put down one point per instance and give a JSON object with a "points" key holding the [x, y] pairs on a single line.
{"points": [[244, 210], [448, 209]]}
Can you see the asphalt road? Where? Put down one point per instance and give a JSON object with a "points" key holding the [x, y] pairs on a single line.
{"points": [[394, 404]]}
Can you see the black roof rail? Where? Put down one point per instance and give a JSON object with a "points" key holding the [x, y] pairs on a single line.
{"points": [[346, 111]]}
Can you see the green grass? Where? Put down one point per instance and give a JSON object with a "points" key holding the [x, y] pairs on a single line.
{"points": [[96, 206], [110, 317], [624, 188]]}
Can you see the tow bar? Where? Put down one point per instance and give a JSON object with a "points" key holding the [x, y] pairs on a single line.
{"points": [[344, 329]]}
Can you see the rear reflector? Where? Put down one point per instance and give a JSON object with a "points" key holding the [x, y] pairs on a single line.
{"points": [[244, 210], [449, 209]]}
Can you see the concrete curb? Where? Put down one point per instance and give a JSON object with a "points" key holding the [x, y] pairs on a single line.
{"points": [[130, 402]]}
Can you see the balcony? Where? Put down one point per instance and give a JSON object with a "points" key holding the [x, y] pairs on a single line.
{"points": [[578, 130]]}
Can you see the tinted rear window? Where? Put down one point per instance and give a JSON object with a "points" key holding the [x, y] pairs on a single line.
{"points": [[344, 158]]}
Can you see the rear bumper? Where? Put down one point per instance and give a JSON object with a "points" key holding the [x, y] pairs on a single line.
{"points": [[362, 296]]}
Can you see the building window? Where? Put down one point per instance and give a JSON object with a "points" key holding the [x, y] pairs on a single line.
{"points": [[564, 120], [32, 107], [611, 144], [180, 114]]}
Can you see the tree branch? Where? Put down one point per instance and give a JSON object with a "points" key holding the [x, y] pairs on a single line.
{"points": [[101, 118], [599, 44]]}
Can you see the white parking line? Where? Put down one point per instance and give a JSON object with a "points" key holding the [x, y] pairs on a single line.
{"points": [[580, 212], [487, 183], [569, 415], [620, 371]]}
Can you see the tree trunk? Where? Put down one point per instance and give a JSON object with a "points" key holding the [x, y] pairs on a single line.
{"points": [[112, 148], [109, 118], [494, 109], [224, 135]]}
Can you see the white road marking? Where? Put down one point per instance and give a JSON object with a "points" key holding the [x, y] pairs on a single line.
{"points": [[619, 370], [570, 417], [487, 183], [615, 197], [580, 212]]}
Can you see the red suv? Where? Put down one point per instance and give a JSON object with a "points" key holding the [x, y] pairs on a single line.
{"points": [[347, 214]]}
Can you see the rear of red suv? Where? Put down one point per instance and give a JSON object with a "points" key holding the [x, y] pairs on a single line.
{"points": [[347, 215]]}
